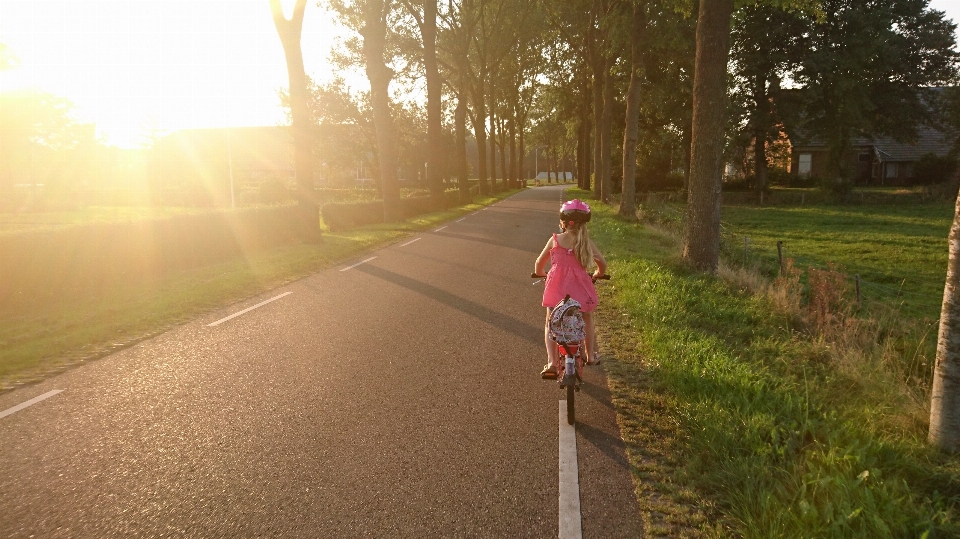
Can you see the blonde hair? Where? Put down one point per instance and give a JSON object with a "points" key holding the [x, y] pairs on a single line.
{"points": [[581, 245]]}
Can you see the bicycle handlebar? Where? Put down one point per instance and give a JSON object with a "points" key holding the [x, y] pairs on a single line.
{"points": [[595, 279]]}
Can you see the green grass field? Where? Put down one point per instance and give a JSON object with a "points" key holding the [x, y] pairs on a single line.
{"points": [[17, 222], [739, 424], [44, 337], [899, 251]]}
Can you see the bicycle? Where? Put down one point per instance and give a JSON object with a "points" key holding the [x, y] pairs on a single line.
{"points": [[570, 372]]}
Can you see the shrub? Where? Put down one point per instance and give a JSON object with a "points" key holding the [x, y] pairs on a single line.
{"points": [[837, 186], [345, 215], [931, 169], [274, 192], [778, 176]]}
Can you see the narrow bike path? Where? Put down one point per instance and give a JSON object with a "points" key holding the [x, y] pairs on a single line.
{"points": [[396, 398]]}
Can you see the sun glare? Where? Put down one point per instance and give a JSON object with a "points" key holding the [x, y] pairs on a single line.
{"points": [[141, 67]]}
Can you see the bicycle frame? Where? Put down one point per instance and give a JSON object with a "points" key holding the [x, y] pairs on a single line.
{"points": [[571, 364]]}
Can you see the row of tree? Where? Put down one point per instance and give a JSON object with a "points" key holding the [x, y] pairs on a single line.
{"points": [[678, 84], [604, 80]]}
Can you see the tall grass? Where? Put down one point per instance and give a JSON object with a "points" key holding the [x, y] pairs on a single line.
{"points": [[789, 420]]}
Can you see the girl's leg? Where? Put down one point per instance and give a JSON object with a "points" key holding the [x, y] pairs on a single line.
{"points": [[550, 343], [591, 344]]}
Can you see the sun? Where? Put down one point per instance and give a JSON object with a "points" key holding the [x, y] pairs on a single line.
{"points": [[142, 67]]}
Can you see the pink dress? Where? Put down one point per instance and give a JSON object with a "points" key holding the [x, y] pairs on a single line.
{"points": [[567, 276]]}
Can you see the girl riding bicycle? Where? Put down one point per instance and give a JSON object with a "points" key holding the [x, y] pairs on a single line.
{"points": [[571, 254]]}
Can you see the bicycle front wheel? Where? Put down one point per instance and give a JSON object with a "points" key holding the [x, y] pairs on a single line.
{"points": [[571, 415]]}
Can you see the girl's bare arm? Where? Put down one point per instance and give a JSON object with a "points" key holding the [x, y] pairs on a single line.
{"points": [[541, 263], [598, 258]]}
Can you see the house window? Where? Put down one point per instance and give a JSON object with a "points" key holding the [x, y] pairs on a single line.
{"points": [[805, 164], [891, 170], [864, 157]]}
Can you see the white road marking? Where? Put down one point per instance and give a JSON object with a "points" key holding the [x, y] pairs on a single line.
{"points": [[358, 263], [458, 220], [30, 402], [570, 526], [248, 309], [408, 243], [439, 229]]}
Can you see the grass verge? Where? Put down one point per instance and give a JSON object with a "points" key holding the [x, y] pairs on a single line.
{"points": [[50, 337], [738, 423]]}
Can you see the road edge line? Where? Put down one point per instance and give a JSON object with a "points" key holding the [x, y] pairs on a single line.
{"points": [[571, 526]]}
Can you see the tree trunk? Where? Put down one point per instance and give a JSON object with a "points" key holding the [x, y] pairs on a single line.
{"points": [[605, 151], [374, 33], [549, 164], [434, 127], [493, 150], [599, 63], [289, 31], [762, 117], [584, 168], [945, 396], [479, 120], [522, 157], [460, 125], [580, 151], [702, 236], [628, 202], [505, 171], [514, 158]]}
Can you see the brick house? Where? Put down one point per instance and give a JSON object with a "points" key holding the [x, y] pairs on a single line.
{"points": [[877, 161]]}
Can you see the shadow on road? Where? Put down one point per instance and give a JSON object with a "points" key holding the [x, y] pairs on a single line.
{"points": [[611, 446], [480, 312]]}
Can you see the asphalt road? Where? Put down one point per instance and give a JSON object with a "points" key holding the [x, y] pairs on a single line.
{"points": [[397, 398]]}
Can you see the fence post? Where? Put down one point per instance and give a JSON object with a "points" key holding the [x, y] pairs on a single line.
{"points": [[857, 276], [780, 256], [746, 243]]}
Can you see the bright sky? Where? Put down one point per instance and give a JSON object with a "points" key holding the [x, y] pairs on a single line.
{"points": [[132, 66]]}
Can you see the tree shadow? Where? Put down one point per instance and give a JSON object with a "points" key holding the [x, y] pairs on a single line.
{"points": [[609, 445], [484, 314]]}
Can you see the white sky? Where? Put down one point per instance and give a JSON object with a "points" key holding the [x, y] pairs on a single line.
{"points": [[136, 65], [132, 66]]}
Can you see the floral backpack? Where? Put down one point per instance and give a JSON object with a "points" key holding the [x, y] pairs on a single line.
{"points": [[566, 322]]}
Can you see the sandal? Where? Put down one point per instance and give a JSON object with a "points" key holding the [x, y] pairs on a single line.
{"points": [[549, 372], [594, 360]]}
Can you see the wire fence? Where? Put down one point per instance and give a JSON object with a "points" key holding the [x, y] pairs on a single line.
{"points": [[770, 257]]}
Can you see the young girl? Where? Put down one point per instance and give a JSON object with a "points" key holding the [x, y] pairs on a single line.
{"points": [[570, 255]]}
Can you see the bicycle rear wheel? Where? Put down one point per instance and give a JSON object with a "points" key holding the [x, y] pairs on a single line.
{"points": [[571, 415]]}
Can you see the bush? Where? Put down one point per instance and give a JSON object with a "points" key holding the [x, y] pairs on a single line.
{"points": [[778, 176], [931, 169], [837, 186], [274, 192], [345, 215], [660, 182]]}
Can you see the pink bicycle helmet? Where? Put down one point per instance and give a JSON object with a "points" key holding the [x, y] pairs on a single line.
{"points": [[575, 210]]}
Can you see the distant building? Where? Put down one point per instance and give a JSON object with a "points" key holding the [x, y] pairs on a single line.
{"points": [[554, 176], [877, 161]]}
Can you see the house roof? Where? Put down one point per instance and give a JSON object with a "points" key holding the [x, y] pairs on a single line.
{"points": [[929, 140]]}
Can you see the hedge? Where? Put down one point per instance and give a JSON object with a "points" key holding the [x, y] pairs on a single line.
{"points": [[345, 215], [93, 256]]}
